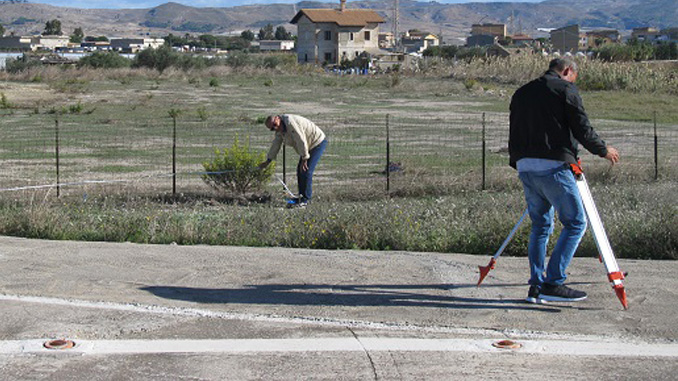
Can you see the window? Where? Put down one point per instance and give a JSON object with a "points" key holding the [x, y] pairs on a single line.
{"points": [[328, 57], [328, 35], [350, 36], [367, 36]]}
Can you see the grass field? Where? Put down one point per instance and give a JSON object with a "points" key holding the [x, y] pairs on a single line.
{"points": [[115, 125]]}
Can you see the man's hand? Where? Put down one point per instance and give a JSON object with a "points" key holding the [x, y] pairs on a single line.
{"points": [[304, 165], [612, 155]]}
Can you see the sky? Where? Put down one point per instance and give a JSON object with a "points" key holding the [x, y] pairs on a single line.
{"points": [[208, 3]]}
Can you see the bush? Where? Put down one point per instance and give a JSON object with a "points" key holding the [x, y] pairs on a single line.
{"points": [[235, 170], [19, 64], [107, 60]]}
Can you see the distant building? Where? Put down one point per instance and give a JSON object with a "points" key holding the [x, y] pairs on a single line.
{"points": [[497, 30], [670, 34], [417, 42], [522, 40], [481, 40], [276, 45], [596, 38], [50, 42], [647, 34], [16, 43], [566, 39], [134, 45], [386, 40], [332, 35]]}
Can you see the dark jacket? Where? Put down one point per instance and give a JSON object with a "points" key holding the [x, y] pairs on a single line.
{"points": [[548, 119]]}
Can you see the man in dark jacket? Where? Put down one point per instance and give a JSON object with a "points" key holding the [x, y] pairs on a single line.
{"points": [[548, 122]]}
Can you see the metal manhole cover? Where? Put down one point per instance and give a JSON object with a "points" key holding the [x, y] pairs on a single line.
{"points": [[507, 344], [59, 344]]}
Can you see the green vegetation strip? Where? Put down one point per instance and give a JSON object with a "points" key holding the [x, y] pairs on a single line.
{"points": [[641, 221]]}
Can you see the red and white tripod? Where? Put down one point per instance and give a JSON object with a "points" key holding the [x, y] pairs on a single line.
{"points": [[604, 249]]}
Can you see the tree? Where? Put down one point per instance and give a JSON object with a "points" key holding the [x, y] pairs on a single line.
{"points": [[247, 35], [266, 33], [52, 28], [77, 36], [282, 34], [2, 30]]}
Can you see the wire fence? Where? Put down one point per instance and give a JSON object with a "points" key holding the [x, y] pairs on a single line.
{"points": [[76, 154]]}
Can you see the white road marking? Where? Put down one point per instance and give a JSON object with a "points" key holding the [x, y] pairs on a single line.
{"points": [[543, 343], [371, 344]]}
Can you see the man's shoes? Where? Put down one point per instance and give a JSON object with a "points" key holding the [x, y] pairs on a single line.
{"points": [[560, 293], [533, 295], [297, 203]]}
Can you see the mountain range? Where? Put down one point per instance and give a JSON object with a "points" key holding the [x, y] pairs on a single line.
{"points": [[453, 21]]}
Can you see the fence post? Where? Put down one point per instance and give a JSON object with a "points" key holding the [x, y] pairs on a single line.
{"points": [[174, 154], [483, 146], [656, 149], [56, 140], [388, 156]]}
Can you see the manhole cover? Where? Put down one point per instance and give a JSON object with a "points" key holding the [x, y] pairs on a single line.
{"points": [[507, 344], [59, 344]]}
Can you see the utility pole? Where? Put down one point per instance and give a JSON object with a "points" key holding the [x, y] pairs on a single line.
{"points": [[396, 21]]}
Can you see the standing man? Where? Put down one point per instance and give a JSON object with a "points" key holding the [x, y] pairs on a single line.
{"points": [[546, 124], [307, 139]]}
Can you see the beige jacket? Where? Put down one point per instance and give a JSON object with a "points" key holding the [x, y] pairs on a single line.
{"points": [[302, 135]]}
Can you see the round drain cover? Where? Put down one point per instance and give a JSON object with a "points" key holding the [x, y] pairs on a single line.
{"points": [[59, 344], [507, 344]]}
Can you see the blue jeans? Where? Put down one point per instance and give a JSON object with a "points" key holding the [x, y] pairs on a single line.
{"points": [[544, 192], [305, 178]]}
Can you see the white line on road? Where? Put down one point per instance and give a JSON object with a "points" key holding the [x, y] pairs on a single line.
{"points": [[533, 342], [370, 344]]}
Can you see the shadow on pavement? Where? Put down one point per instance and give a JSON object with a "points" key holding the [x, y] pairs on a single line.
{"points": [[342, 295]]}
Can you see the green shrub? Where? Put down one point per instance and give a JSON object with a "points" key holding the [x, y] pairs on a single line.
{"points": [[235, 170], [4, 103], [19, 64], [214, 82], [105, 60]]}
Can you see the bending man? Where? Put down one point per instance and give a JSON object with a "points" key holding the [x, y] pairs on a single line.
{"points": [[307, 140], [547, 123]]}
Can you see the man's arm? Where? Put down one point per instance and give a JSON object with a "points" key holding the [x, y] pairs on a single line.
{"points": [[579, 123]]}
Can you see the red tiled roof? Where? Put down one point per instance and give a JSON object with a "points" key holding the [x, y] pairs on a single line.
{"points": [[347, 17]]}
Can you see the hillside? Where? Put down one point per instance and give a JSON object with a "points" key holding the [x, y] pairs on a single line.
{"points": [[453, 20]]}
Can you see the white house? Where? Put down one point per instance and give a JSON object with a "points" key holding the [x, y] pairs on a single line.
{"points": [[329, 36], [276, 45]]}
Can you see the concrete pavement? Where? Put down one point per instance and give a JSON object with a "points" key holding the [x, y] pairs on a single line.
{"points": [[206, 312]]}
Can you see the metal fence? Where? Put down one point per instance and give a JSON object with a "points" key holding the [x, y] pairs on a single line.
{"points": [[396, 153]]}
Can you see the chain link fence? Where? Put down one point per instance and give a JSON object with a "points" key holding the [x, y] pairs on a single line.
{"points": [[400, 153]]}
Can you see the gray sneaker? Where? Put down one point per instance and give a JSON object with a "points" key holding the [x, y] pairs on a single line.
{"points": [[560, 293], [533, 295]]}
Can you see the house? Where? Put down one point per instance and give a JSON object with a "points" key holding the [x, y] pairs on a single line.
{"points": [[134, 45], [386, 40], [276, 45], [481, 40], [497, 30], [523, 40], [596, 38], [331, 35], [50, 42], [647, 34], [670, 34], [416, 42], [566, 39], [16, 43]]}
